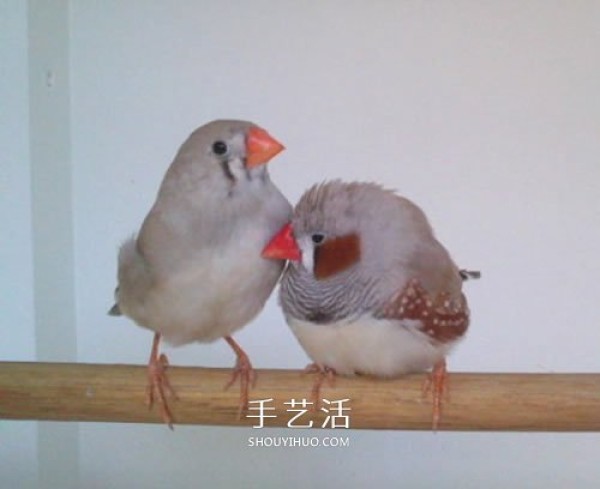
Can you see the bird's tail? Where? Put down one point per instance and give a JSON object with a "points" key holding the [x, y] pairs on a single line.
{"points": [[115, 310], [469, 274]]}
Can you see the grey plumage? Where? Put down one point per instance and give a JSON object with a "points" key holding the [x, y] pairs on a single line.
{"points": [[397, 243], [369, 289], [194, 271], [342, 297]]}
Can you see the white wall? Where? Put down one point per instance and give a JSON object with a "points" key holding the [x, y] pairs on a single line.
{"points": [[18, 440], [52, 222], [485, 113]]}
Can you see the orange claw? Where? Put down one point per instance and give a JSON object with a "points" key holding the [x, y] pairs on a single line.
{"points": [[159, 386], [247, 375], [323, 373], [437, 384]]}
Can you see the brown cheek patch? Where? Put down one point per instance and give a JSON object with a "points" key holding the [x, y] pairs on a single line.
{"points": [[336, 255], [442, 319]]}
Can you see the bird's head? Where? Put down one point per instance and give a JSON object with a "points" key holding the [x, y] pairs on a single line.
{"points": [[226, 154], [325, 236]]}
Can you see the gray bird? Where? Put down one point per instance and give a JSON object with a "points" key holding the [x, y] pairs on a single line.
{"points": [[195, 272], [369, 289]]}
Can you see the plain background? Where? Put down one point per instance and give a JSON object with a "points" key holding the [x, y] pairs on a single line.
{"points": [[486, 113]]}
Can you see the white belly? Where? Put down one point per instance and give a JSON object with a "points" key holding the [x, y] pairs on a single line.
{"points": [[369, 346], [213, 298]]}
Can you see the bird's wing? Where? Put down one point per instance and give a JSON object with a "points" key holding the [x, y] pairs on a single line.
{"points": [[135, 278], [440, 316]]}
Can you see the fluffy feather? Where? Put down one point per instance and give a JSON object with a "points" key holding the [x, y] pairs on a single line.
{"points": [[385, 303], [194, 272]]}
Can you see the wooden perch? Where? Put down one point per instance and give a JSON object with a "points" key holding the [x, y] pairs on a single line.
{"points": [[116, 393]]}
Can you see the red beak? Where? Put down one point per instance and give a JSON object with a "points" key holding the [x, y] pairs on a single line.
{"points": [[283, 246], [260, 147]]}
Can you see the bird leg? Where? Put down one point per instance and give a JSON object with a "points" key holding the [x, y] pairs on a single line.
{"points": [[243, 369], [158, 382], [323, 374], [437, 384]]}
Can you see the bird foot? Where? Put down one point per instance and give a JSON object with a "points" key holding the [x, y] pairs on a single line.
{"points": [[159, 386], [243, 371], [323, 374], [436, 383]]}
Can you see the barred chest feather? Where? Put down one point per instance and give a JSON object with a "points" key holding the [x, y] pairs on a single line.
{"points": [[325, 302]]}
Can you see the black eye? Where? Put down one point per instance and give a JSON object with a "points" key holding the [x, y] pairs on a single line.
{"points": [[219, 148], [317, 238]]}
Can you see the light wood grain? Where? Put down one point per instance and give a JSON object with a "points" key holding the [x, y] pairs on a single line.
{"points": [[116, 393]]}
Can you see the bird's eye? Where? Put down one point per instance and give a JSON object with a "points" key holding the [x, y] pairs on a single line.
{"points": [[219, 148], [317, 238]]}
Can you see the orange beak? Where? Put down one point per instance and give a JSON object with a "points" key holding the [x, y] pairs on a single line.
{"points": [[283, 246], [260, 147]]}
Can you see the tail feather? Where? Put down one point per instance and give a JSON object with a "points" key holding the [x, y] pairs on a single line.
{"points": [[115, 310], [469, 274]]}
